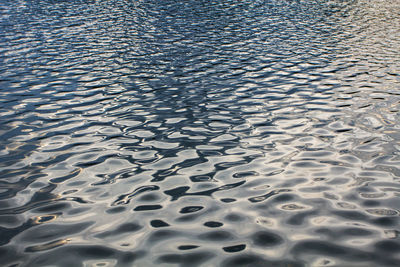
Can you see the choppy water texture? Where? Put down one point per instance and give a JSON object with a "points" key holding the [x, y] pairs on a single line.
{"points": [[199, 133]]}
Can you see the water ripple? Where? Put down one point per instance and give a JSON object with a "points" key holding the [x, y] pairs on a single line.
{"points": [[201, 133]]}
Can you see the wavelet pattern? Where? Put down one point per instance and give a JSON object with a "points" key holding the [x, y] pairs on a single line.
{"points": [[199, 133]]}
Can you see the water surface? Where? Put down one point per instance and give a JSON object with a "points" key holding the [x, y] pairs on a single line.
{"points": [[199, 133]]}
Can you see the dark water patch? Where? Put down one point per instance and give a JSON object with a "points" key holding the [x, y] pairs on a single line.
{"points": [[213, 224], [126, 198], [191, 209], [147, 207], [217, 236], [158, 223], [266, 239], [177, 193], [187, 247], [161, 235], [149, 197], [228, 200], [351, 215], [385, 221], [233, 249], [116, 210], [234, 217], [388, 246]]}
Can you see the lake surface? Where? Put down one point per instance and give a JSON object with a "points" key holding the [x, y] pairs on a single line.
{"points": [[199, 133]]}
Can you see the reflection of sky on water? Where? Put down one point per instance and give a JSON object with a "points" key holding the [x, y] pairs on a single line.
{"points": [[216, 132]]}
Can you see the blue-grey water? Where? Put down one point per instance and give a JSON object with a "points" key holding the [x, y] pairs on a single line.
{"points": [[199, 133]]}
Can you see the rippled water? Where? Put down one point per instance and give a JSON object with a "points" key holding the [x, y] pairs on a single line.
{"points": [[200, 133]]}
